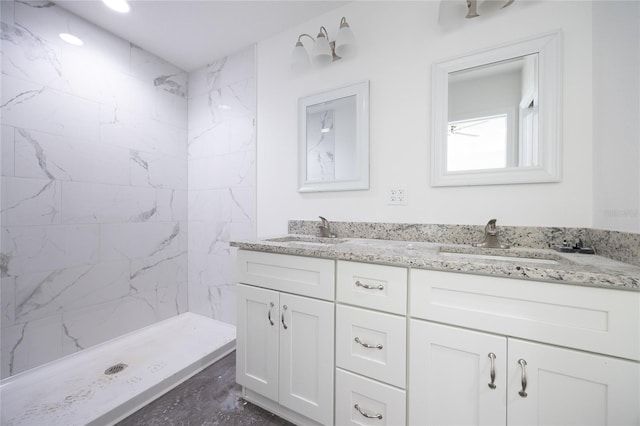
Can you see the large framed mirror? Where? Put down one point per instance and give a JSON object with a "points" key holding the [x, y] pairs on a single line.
{"points": [[496, 115], [333, 141]]}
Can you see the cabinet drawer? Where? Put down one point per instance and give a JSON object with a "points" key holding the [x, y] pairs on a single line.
{"points": [[386, 360], [306, 276], [373, 286], [372, 398], [587, 318]]}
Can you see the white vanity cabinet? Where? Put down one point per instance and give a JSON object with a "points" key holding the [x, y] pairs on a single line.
{"points": [[370, 344], [285, 342], [535, 382], [322, 342]]}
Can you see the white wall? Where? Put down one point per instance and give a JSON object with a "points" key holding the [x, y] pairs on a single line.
{"points": [[616, 104], [398, 42]]}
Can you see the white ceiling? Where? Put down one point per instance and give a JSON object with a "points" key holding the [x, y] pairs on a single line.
{"points": [[192, 33]]}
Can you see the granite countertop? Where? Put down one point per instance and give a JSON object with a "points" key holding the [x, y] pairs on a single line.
{"points": [[534, 264]]}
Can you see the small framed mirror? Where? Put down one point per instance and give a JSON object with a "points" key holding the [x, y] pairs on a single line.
{"points": [[333, 141], [496, 115]]}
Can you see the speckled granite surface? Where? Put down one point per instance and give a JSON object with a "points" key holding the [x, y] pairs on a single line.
{"points": [[404, 245], [624, 247]]}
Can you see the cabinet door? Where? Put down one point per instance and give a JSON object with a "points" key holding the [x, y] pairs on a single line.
{"points": [[306, 356], [568, 387], [257, 340], [450, 373]]}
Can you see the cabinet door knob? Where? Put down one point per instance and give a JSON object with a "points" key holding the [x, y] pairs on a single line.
{"points": [[269, 313], [284, 309], [369, 416], [492, 374], [367, 345], [523, 379], [370, 287]]}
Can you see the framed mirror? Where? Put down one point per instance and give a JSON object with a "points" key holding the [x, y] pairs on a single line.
{"points": [[333, 140], [496, 115]]}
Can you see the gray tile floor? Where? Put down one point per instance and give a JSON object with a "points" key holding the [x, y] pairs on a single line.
{"points": [[209, 398]]}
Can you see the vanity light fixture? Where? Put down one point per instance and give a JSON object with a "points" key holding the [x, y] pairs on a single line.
{"points": [[472, 6], [71, 39], [121, 6], [325, 51]]}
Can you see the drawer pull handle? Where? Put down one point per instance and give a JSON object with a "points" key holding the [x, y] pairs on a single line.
{"points": [[366, 345], [523, 380], [369, 416], [370, 287], [269, 313], [284, 309], [492, 357]]}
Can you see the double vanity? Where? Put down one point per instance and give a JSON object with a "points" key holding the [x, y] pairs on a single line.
{"points": [[387, 332]]}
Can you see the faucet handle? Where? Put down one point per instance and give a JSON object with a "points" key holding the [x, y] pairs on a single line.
{"points": [[491, 227], [491, 237], [325, 230]]}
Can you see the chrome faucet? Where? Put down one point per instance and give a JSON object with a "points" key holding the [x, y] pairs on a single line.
{"points": [[491, 237], [325, 229]]}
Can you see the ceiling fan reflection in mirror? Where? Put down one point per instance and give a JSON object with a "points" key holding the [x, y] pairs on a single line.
{"points": [[454, 129]]}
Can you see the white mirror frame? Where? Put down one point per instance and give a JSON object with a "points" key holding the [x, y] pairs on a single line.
{"points": [[548, 48], [361, 178]]}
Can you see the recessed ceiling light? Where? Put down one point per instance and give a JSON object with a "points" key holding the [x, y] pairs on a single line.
{"points": [[121, 6], [71, 39]]}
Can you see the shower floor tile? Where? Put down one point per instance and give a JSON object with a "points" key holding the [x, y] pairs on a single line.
{"points": [[211, 397], [79, 389]]}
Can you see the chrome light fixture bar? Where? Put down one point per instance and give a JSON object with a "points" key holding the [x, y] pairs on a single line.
{"points": [[324, 51]]}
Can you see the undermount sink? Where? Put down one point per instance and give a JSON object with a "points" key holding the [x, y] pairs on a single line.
{"points": [[307, 240], [510, 257]]}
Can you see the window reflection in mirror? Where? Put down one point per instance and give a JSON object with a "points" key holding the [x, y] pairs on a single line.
{"points": [[479, 143], [493, 116]]}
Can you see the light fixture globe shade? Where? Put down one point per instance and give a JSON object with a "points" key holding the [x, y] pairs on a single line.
{"points": [[299, 58], [322, 53], [345, 42]]}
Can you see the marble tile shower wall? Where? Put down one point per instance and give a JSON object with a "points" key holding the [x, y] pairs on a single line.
{"points": [[94, 187], [222, 151]]}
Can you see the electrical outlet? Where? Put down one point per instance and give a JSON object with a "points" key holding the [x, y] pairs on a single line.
{"points": [[397, 195], [402, 196]]}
